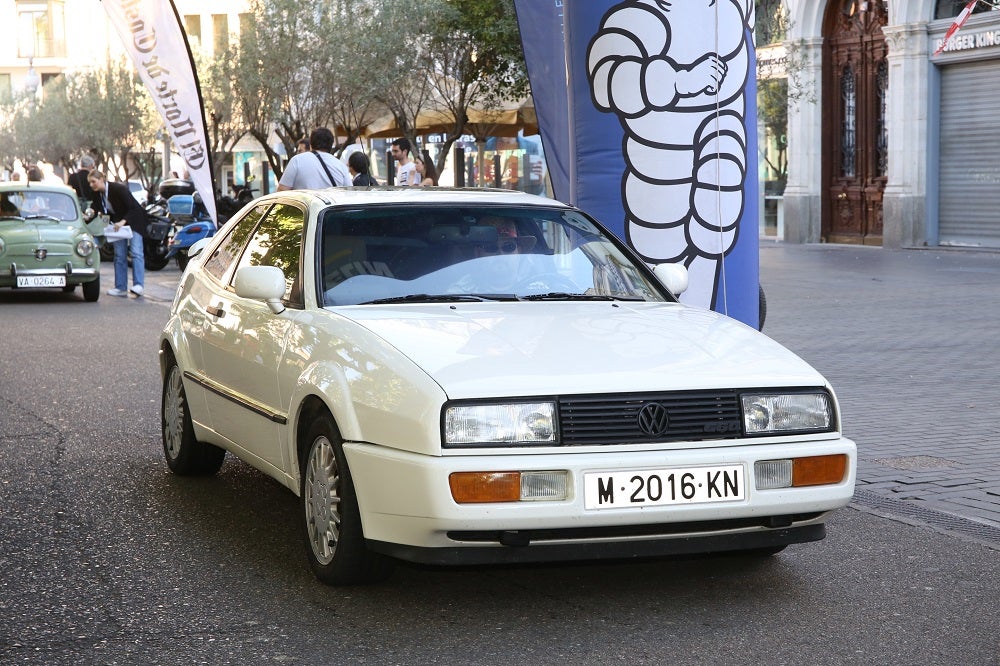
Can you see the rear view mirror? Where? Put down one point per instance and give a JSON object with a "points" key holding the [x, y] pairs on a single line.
{"points": [[262, 283], [673, 276]]}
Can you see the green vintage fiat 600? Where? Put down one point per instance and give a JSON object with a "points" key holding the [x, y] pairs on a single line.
{"points": [[44, 240]]}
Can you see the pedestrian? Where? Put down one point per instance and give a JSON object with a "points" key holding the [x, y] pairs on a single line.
{"points": [[78, 179], [357, 164], [317, 168], [115, 200], [302, 146], [426, 171], [406, 170], [34, 174]]}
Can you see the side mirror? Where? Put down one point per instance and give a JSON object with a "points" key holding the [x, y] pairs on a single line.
{"points": [[673, 276], [198, 246], [262, 283]]}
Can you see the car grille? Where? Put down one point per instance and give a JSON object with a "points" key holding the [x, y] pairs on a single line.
{"points": [[691, 415]]}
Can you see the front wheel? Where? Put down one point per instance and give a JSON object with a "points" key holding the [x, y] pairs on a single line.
{"points": [[331, 519], [92, 290], [185, 455]]}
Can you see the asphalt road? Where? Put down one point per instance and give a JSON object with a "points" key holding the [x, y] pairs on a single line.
{"points": [[106, 558]]}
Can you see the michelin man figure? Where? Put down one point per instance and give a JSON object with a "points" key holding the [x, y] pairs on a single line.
{"points": [[675, 73]]}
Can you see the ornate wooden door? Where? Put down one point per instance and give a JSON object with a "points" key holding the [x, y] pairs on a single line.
{"points": [[855, 140]]}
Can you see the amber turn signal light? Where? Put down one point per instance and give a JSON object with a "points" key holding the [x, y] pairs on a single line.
{"points": [[477, 487], [819, 470]]}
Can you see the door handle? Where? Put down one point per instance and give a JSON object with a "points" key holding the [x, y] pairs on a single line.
{"points": [[215, 312]]}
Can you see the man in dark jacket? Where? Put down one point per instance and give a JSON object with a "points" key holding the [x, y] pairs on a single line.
{"points": [[115, 200], [78, 179]]}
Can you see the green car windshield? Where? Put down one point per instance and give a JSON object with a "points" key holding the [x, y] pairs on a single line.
{"points": [[39, 204]]}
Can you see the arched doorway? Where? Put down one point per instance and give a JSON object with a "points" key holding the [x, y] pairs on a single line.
{"points": [[855, 139]]}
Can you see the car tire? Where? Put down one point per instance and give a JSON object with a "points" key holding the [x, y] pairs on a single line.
{"points": [[155, 262], [185, 455], [107, 252], [331, 519], [92, 290]]}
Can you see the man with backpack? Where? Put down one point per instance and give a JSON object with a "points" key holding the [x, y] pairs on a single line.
{"points": [[316, 169]]}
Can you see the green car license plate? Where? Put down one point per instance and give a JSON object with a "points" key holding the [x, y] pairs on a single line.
{"points": [[41, 280]]}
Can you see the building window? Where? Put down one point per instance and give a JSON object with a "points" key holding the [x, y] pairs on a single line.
{"points": [[41, 29], [952, 8], [220, 32], [247, 23], [849, 127], [192, 26]]}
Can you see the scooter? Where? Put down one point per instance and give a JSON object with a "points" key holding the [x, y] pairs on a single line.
{"points": [[190, 211]]}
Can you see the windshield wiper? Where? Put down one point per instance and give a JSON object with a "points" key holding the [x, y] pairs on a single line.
{"points": [[43, 217], [7, 216], [565, 296], [442, 298]]}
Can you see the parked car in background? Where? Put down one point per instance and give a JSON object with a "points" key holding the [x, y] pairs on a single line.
{"points": [[484, 376], [138, 191], [44, 242]]}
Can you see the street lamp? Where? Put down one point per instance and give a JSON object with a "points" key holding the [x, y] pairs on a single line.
{"points": [[31, 79]]}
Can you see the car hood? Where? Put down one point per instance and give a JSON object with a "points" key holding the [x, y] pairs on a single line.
{"points": [[17, 232], [493, 349]]}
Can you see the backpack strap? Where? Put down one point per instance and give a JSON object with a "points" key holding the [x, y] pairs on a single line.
{"points": [[329, 175]]}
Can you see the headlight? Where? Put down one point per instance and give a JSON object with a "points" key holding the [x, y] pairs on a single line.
{"points": [[765, 414], [85, 247], [502, 423]]}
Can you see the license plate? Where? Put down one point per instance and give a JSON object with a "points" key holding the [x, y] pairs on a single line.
{"points": [[660, 487], [41, 280]]}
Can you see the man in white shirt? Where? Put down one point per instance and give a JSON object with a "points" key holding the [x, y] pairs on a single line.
{"points": [[316, 169], [406, 170]]}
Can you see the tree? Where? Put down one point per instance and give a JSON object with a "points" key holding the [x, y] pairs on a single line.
{"points": [[474, 59], [772, 108], [222, 114], [103, 112]]}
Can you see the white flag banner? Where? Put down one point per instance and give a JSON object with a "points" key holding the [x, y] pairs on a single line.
{"points": [[152, 34]]}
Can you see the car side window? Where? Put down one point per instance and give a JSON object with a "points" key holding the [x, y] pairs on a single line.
{"points": [[229, 249], [278, 242]]}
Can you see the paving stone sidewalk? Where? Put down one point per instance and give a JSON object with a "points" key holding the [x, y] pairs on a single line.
{"points": [[910, 340]]}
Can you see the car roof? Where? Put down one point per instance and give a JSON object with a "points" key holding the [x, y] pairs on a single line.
{"points": [[20, 185], [349, 196]]}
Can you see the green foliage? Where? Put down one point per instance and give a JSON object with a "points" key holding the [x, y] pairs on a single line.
{"points": [[772, 108]]}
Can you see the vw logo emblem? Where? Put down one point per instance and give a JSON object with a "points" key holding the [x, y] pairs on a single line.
{"points": [[653, 418], [41, 253]]}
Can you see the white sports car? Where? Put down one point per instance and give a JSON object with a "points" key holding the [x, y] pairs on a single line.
{"points": [[476, 376]]}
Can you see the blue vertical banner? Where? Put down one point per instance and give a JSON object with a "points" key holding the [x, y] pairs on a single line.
{"points": [[660, 115]]}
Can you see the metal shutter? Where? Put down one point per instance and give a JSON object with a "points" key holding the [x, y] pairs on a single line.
{"points": [[969, 212]]}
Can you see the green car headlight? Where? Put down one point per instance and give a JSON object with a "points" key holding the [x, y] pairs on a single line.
{"points": [[500, 423], [767, 414], [85, 247]]}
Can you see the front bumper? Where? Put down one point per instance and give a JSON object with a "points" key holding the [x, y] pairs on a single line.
{"points": [[407, 510], [73, 274]]}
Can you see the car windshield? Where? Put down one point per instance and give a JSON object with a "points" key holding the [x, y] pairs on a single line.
{"points": [[38, 204], [449, 253]]}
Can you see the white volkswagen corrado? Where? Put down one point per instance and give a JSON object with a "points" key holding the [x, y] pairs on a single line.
{"points": [[473, 376]]}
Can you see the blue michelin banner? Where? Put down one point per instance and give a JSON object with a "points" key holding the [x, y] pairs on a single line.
{"points": [[647, 111]]}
